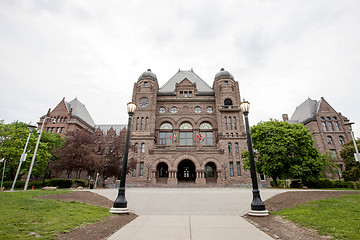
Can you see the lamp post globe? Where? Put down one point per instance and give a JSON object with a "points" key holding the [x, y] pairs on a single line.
{"points": [[120, 203], [257, 205]]}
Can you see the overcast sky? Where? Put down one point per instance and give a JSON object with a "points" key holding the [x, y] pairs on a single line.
{"points": [[280, 52]]}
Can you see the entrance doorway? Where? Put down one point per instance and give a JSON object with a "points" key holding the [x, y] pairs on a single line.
{"points": [[162, 173], [186, 171], [210, 172]]}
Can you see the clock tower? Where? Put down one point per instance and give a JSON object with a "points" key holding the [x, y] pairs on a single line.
{"points": [[143, 125]]}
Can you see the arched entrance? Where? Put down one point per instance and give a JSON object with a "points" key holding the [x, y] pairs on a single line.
{"points": [[162, 173], [186, 171], [210, 172]]}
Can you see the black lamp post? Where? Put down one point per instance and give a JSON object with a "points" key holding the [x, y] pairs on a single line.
{"points": [[257, 205], [120, 204]]}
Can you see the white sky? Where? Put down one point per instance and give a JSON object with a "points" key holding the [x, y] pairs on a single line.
{"points": [[280, 52]]}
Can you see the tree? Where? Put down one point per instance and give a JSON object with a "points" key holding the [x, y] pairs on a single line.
{"points": [[352, 167], [285, 150], [13, 138], [77, 154]]}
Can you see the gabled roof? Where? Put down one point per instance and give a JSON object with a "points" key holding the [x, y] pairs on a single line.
{"points": [[305, 111], [201, 85], [106, 127], [79, 110]]}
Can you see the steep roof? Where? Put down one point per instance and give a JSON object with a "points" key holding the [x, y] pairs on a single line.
{"points": [[201, 85], [79, 110], [305, 111], [106, 127]]}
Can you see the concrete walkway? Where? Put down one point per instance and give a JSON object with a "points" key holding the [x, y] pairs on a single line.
{"points": [[195, 213]]}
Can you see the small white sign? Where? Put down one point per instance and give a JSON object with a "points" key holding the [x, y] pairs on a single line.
{"points": [[357, 157], [23, 157]]}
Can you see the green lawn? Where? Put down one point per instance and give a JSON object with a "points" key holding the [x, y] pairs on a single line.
{"points": [[338, 217], [22, 215]]}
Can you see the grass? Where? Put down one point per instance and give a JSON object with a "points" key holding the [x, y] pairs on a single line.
{"points": [[338, 217], [23, 216]]}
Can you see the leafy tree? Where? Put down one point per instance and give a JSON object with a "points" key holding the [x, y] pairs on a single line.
{"points": [[286, 151], [13, 138], [352, 167], [77, 154]]}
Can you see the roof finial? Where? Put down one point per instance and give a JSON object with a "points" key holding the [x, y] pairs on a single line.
{"points": [[222, 69], [149, 70]]}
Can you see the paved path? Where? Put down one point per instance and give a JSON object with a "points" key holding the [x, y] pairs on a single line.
{"points": [[195, 213]]}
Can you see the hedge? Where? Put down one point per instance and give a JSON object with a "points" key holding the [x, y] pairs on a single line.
{"points": [[56, 182]]}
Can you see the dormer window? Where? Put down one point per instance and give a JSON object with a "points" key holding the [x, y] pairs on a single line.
{"points": [[185, 94]]}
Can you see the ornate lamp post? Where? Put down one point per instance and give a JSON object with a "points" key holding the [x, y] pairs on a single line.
{"points": [[356, 154], [257, 205], [120, 204], [23, 157], [33, 158], [148, 166]]}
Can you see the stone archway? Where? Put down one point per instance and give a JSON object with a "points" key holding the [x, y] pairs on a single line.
{"points": [[162, 173], [210, 172], [186, 171]]}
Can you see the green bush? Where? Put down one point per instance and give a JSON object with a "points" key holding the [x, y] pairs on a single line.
{"points": [[280, 183], [357, 185], [79, 183], [339, 184], [296, 183], [60, 183], [349, 184], [319, 183], [18, 184]]}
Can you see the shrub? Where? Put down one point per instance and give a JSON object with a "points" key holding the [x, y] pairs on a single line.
{"points": [[296, 183], [349, 184], [339, 184], [319, 183], [60, 183], [79, 183], [18, 184], [280, 183]]}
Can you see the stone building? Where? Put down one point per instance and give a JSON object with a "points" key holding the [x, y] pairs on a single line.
{"points": [[326, 125], [187, 131], [67, 117]]}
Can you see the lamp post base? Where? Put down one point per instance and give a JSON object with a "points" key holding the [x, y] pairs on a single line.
{"points": [[119, 210], [256, 213]]}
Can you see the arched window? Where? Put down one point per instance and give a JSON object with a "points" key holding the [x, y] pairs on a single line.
{"points": [[229, 147], [235, 127], [230, 125], [329, 140], [330, 126], [228, 102], [341, 140], [206, 134], [136, 147], [225, 122], [186, 134], [146, 123], [166, 134], [143, 147], [137, 123], [236, 148]]}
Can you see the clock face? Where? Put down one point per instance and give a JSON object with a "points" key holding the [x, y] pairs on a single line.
{"points": [[144, 102]]}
